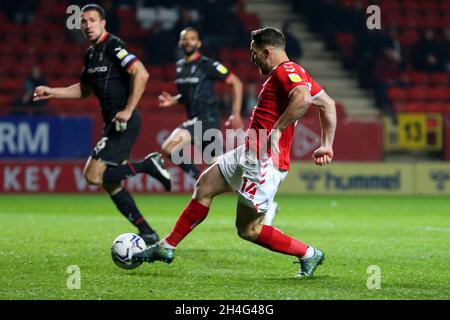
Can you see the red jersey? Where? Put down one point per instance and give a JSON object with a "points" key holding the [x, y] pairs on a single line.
{"points": [[273, 101]]}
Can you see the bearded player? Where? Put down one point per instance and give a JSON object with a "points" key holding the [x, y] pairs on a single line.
{"points": [[117, 78], [256, 169]]}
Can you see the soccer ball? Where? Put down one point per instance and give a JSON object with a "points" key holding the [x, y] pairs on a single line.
{"points": [[123, 247]]}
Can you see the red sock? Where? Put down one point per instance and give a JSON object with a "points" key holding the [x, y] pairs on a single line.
{"points": [[192, 215], [275, 240]]}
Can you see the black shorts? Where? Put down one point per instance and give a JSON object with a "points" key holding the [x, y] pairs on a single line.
{"points": [[114, 147], [197, 135]]}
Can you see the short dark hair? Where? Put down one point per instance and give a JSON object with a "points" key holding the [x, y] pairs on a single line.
{"points": [[96, 7], [268, 37]]}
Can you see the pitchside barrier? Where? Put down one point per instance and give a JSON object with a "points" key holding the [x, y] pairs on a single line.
{"points": [[304, 178], [386, 178]]}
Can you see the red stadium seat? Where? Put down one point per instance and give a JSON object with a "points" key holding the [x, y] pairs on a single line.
{"points": [[430, 20], [11, 85], [169, 72], [439, 93], [411, 19], [418, 93], [241, 55], [409, 37], [5, 100], [389, 6], [410, 6], [439, 78], [345, 42], [436, 107], [156, 73], [397, 94], [413, 107], [250, 20], [391, 18], [148, 102], [445, 6], [429, 6], [417, 78]]}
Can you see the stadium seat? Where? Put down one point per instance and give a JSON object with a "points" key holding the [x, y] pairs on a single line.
{"points": [[439, 78], [250, 21], [409, 37], [429, 6], [397, 94], [11, 85], [418, 93], [410, 6], [5, 100], [417, 78], [413, 107], [430, 20], [345, 42], [436, 107], [156, 72], [439, 94]]}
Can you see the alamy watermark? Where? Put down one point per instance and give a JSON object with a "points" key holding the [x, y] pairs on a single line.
{"points": [[74, 280], [73, 21], [374, 279], [374, 20]]}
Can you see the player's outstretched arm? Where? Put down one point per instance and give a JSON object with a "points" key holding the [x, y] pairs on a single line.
{"points": [[75, 91], [167, 100], [235, 119], [327, 114]]}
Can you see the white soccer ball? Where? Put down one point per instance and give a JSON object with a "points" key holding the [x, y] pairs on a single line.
{"points": [[123, 247]]}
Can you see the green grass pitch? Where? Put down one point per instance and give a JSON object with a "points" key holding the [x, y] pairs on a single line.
{"points": [[408, 238]]}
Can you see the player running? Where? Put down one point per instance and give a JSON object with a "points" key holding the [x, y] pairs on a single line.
{"points": [[118, 80], [256, 169], [195, 77]]}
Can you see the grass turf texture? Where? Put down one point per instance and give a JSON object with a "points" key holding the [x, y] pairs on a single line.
{"points": [[407, 237]]}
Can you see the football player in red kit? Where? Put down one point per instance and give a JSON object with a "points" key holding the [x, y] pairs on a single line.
{"points": [[255, 169]]}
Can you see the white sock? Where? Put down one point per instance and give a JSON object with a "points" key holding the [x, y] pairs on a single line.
{"points": [[309, 253], [163, 243], [270, 214]]}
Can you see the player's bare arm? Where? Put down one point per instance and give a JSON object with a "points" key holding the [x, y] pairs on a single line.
{"points": [[299, 102], [75, 91], [139, 78], [235, 119], [327, 114], [167, 100]]}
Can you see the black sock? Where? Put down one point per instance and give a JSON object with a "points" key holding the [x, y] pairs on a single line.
{"points": [[189, 168], [126, 205], [114, 174]]}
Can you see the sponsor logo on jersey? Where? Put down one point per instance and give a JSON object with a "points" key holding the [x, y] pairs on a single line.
{"points": [[188, 80], [97, 69], [122, 53], [221, 68], [294, 77]]}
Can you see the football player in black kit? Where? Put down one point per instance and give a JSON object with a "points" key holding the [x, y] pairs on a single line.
{"points": [[195, 77], [118, 80]]}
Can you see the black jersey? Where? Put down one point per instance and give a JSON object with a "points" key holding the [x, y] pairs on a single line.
{"points": [[105, 71], [195, 83]]}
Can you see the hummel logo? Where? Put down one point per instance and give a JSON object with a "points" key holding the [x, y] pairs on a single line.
{"points": [[440, 177]]}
